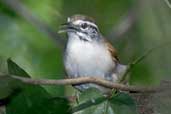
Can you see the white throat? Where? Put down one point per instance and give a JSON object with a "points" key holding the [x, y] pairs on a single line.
{"points": [[87, 58], [78, 35]]}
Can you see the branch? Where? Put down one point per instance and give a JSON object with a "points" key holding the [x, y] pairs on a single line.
{"points": [[167, 3], [141, 58], [124, 25], [22, 11], [83, 80]]}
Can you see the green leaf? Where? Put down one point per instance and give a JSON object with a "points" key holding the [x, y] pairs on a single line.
{"points": [[14, 69], [6, 10], [122, 103], [8, 85], [89, 101], [3, 65], [33, 99], [36, 101], [91, 93]]}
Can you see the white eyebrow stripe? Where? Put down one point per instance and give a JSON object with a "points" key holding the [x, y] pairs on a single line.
{"points": [[68, 19], [81, 21]]}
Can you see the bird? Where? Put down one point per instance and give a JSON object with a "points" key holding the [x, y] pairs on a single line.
{"points": [[89, 54]]}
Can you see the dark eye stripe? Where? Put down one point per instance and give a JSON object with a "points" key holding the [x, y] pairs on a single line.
{"points": [[84, 25], [93, 27]]}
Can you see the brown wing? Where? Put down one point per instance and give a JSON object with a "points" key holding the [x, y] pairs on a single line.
{"points": [[112, 51]]}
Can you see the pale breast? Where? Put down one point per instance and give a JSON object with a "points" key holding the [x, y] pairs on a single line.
{"points": [[87, 59]]}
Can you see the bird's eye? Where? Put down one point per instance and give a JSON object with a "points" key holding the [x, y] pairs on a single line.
{"points": [[84, 25]]}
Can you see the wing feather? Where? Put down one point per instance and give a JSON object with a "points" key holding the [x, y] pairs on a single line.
{"points": [[112, 51]]}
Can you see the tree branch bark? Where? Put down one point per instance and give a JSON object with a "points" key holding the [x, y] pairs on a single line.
{"points": [[83, 80]]}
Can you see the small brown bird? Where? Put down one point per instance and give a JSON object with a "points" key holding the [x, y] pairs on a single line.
{"points": [[88, 53]]}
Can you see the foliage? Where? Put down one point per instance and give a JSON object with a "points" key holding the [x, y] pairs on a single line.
{"points": [[29, 98], [36, 100], [91, 102], [37, 55]]}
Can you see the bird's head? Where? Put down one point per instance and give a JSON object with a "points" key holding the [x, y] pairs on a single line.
{"points": [[82, 26]]}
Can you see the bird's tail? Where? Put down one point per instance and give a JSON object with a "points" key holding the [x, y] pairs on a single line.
{"points": [[121, 72]]}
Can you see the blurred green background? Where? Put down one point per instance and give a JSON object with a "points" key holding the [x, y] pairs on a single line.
{"points": [[133, 27]]}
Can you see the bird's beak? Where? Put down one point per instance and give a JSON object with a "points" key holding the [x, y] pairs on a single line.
{"points": [[66, 27], [63, 27]]}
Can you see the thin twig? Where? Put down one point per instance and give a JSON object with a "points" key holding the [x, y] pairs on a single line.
{"points": [[142, 57], [83, 80], [168, 3], [23, 11], [124, 25]]}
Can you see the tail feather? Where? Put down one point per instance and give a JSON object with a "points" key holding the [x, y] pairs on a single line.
{"points": [[120, 71]]}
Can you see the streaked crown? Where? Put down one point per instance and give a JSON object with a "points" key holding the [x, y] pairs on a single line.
{"points": [[80, 17]]}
